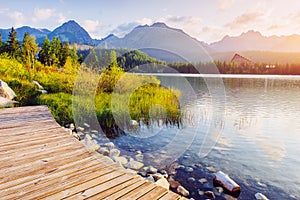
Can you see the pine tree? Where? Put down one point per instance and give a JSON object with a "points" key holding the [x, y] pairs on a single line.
{"points": [[45, 52], [13, 45], [29, 49]]}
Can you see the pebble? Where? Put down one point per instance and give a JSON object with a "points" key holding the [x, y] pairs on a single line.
{"points": [[198, 165], [114, 153], [189, 169], [163, 183], [191, 179], [181, 190], [210, 194], [211, 169], [139, 157], [80, 129], [104, 151], [200, 192], [202, 180], [120, 160], [94, 132], [152, 170], [109, 145], [135, 165], [86, 125], [260, 196], [158, 176]]}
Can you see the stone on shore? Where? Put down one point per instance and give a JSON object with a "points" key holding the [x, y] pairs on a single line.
{"points": [[114, 153], [6, 91], [135, 165], [120, 160], [163, 183], [202, 180], [181, 190], [6, 102], [109, 145]]}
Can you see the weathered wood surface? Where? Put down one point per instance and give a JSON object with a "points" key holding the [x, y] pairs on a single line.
{"points": [[40, 160]]}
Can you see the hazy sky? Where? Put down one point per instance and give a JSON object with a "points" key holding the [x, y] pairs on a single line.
{"points": [[206, 20]]}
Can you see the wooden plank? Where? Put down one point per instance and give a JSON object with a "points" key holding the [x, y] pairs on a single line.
{"points": [[92, 187], [28, 116], [170, 196], [119, 193], [140, 191], [46, 188], [15, 172], [55, 168], [24, 109], [37, 136], [44, 155], [27, 127], [40, 160], [17, 145], [154, 194], [112, 190]]}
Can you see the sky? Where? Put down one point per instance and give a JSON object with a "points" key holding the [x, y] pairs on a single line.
{"points": [[206, 20]]}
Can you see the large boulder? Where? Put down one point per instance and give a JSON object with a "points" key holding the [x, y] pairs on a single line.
{"points": [[6, 91]]}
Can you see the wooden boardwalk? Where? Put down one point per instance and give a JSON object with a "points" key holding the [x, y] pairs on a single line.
{"points": [[40, 160]]}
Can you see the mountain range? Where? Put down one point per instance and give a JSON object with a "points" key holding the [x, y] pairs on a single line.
{"points": [[166, 43]]}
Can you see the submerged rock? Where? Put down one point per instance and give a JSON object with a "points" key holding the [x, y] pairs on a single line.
{"points": [[189, 169], [181, 190], [260, 196], [202, 180], [210, 194]]}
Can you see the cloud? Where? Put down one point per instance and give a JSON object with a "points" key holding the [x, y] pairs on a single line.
{"points": [[17, 17], [41, 14], [224, 4], [61, 18], [92, 26], [122, 29], [189, 24], [245, 19]]}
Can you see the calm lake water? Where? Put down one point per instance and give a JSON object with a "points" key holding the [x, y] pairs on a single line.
{"points": [[246, 126]]}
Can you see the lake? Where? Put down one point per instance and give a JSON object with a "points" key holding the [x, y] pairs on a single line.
{"points": [[248, 126]]}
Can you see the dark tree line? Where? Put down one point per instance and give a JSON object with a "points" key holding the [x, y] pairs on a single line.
{"points": [[51, 53]]}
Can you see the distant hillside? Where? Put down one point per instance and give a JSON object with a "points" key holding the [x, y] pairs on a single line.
{"points": [[255, 41], [161, 42], [37, 33], [71, 32]]}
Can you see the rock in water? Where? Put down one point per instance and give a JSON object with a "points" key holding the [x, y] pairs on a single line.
{"points": [[163, 183], [109, 145], [210, 194], [224, 180], [120, 160], [114, 153], [6, 91], [181, 190], [260, 196], [135, 165]]}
